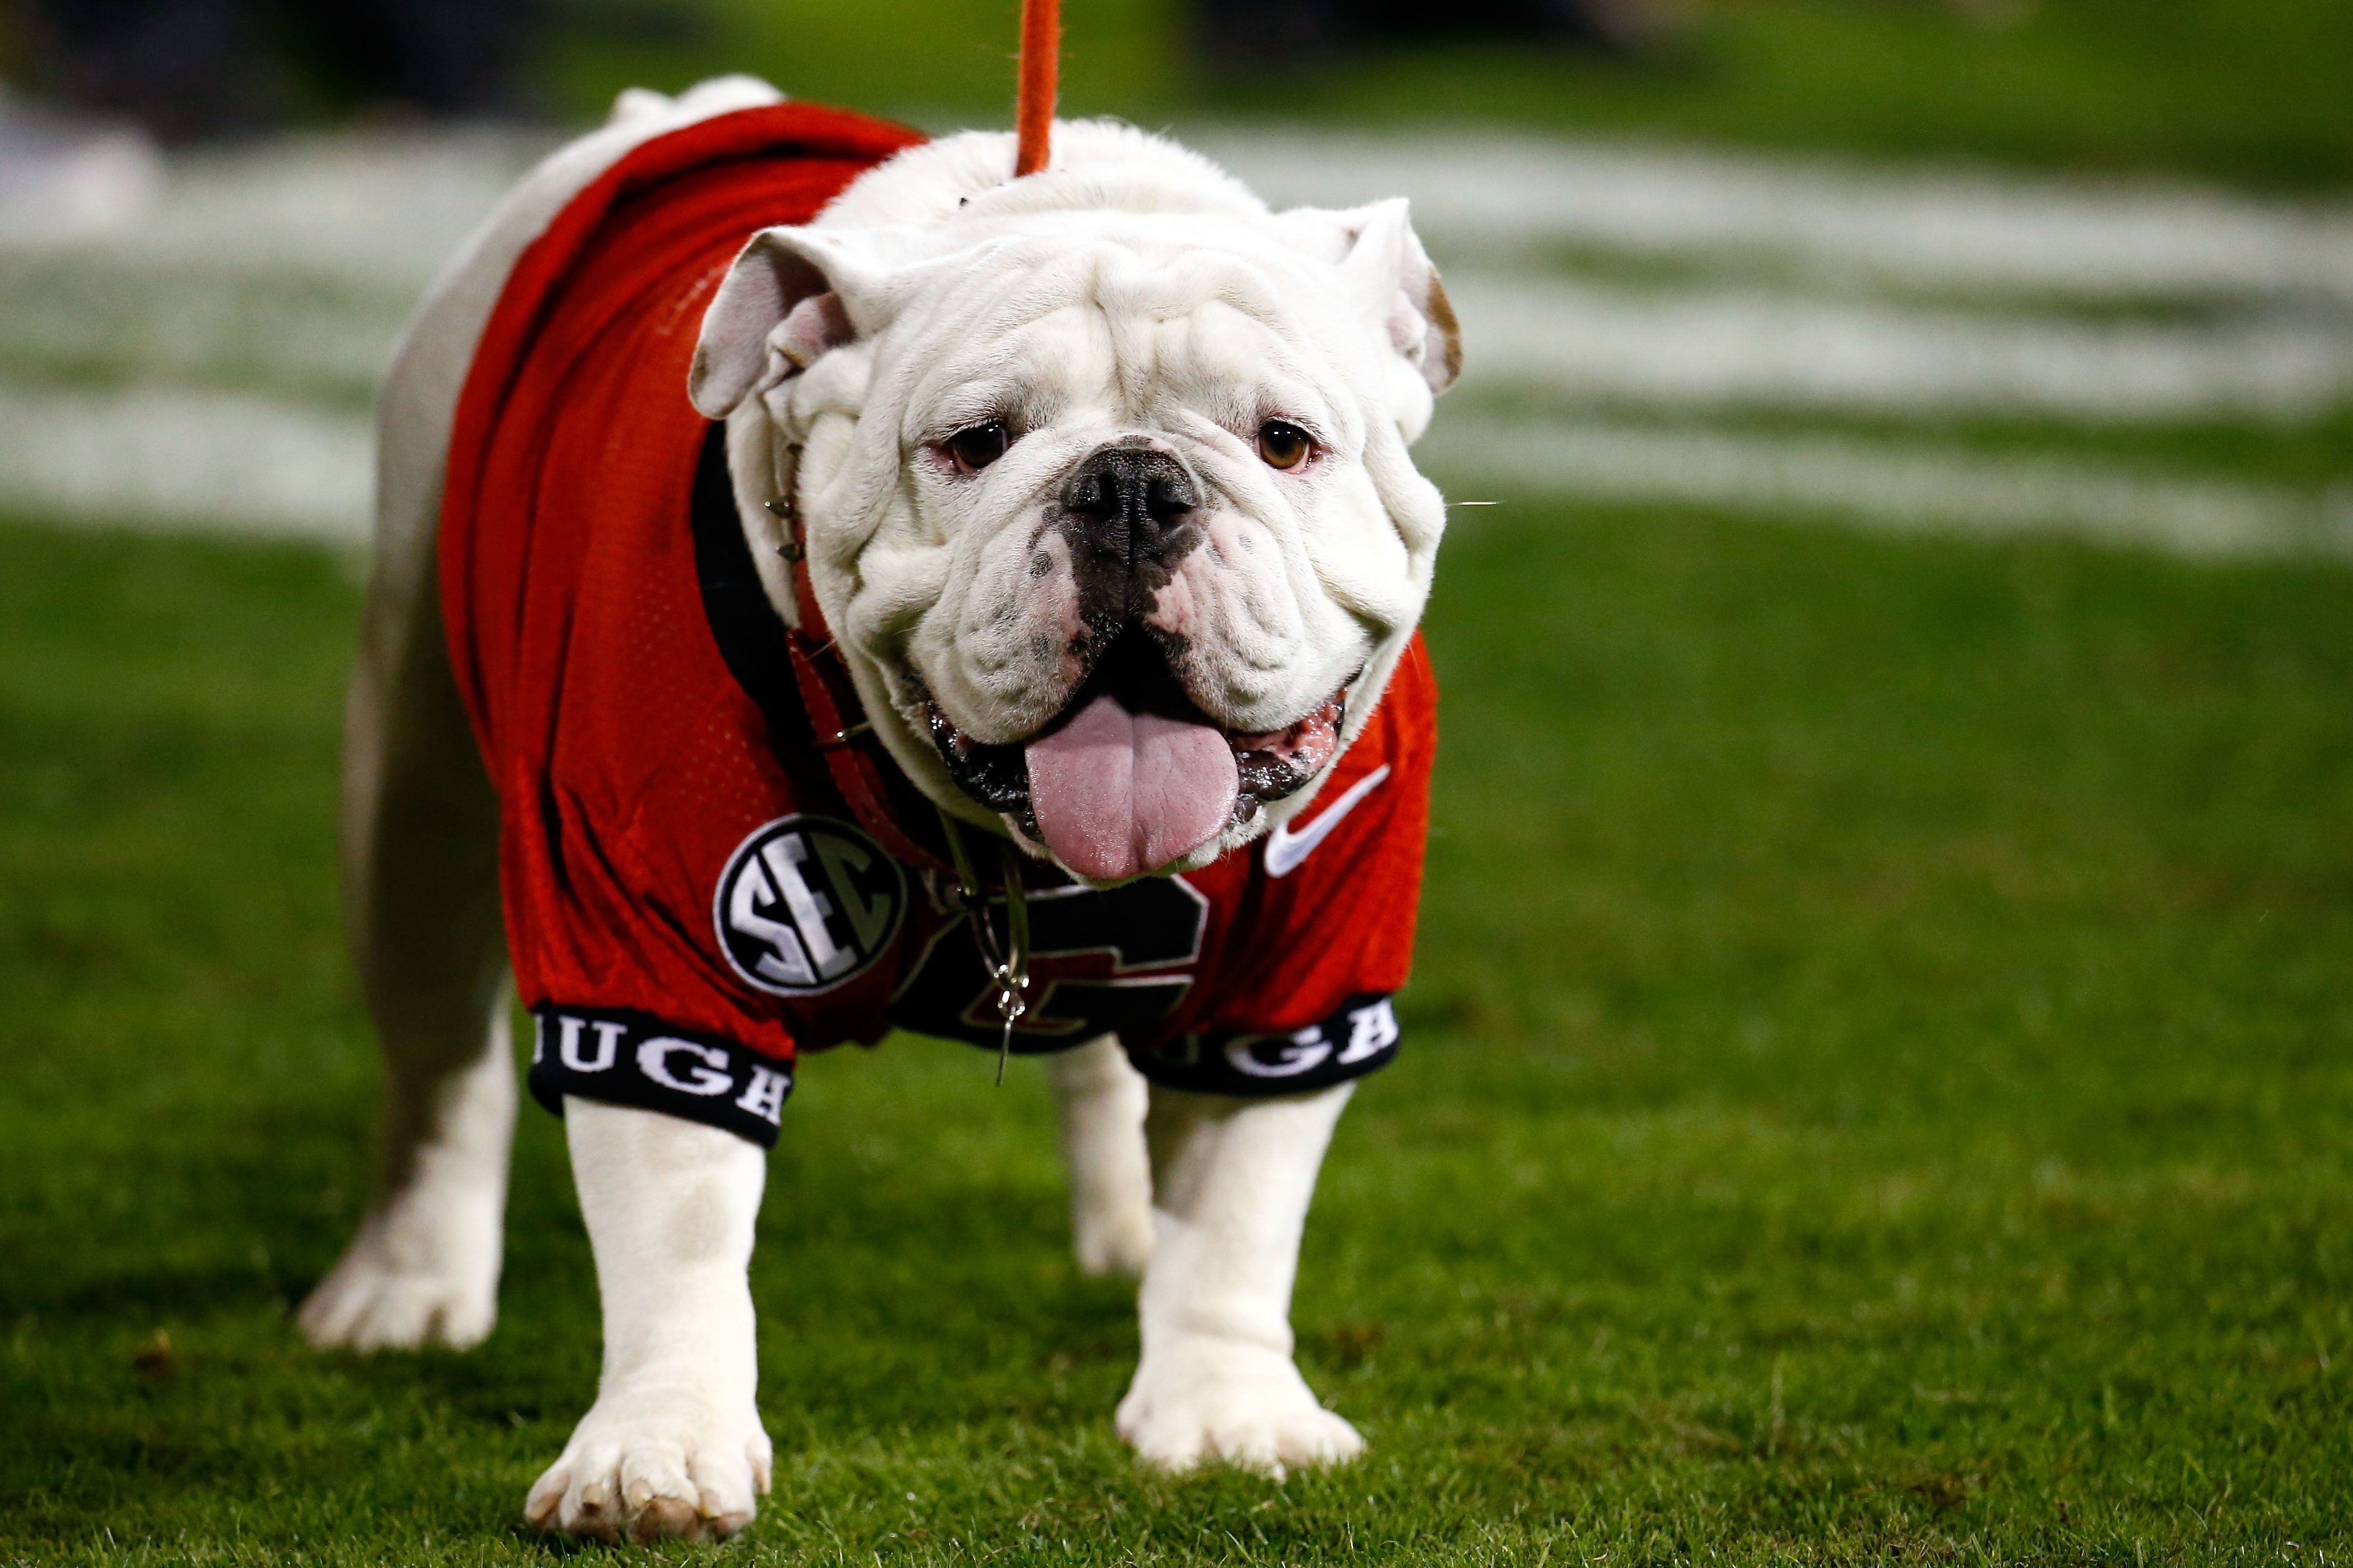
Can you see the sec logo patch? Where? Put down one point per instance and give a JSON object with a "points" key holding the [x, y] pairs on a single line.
{"points": [[806, 904]]}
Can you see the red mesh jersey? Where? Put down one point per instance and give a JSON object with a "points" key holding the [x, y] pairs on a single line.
{"points": [[688, 900]]}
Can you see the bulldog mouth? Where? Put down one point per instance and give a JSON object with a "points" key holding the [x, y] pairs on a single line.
{"points": [[1132, 776], [1118, 792]]}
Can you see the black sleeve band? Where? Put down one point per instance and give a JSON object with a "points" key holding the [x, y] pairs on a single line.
{"points": [[1361, 1037], [629, 1058]]}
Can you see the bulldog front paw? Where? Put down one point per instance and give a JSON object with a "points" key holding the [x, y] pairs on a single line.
{"points": [[654, 1465], [424, 1269], [1204, 1399]]}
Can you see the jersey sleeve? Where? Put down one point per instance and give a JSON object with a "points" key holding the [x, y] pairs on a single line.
{"points": [[1322, 931], [615, 865]]}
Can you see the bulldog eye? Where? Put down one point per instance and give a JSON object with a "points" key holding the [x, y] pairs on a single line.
{"points": [[1283, 445], [975, 448]]}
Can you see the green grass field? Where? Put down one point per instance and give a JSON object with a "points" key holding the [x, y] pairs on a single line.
{"points": [[1879, 1088]]}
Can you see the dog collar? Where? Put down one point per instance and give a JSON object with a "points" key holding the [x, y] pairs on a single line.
{"points": [[845, 736]]}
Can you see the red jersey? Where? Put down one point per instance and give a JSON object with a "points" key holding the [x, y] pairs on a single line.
{"points": [[690, 899]]}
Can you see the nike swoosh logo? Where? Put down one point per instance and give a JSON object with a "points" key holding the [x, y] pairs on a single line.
{"points": [[1285, 849]]}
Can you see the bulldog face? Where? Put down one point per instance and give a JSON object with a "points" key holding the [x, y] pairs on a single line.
{"points": [[1102, 476]]}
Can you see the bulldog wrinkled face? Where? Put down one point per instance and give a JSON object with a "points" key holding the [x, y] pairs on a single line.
{"points": [[1133, 649], [1097, 513], [1114, 629]]}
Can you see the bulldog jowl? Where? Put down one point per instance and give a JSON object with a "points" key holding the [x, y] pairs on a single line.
{"points": [[1132, 775]]}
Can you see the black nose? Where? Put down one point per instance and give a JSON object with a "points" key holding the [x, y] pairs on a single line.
{"points": [[1133, 506]]}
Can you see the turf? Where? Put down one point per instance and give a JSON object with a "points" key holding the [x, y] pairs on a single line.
{"points": [[1877, 1090]]}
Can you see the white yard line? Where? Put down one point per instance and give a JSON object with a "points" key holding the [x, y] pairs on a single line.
{"points": [[222, 280], [1703, 350], [233, 463], [251, 332], [1890, 485], [1680, 350], [383, 209], [1951, 227], [158, 458], [375, 217], [390, 207]]}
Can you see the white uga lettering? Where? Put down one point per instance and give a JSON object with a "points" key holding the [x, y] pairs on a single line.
{"points": [[608, 1043], [766, 1098], [1371, 1030], [1304, 1052], [653, 1060]]}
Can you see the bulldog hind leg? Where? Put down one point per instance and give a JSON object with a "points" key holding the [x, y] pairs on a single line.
{"points": [[421, 896], [1100, 1101], [1230, 1181]]}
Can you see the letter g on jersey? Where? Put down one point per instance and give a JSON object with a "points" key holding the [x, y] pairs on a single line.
{"points": [[807, 903]]}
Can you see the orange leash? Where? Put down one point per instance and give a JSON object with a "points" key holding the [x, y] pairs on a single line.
{"points": [[1041, 59]]}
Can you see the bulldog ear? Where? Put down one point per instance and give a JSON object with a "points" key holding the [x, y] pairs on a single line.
{"points": [[1391, 281], [790, 295]]}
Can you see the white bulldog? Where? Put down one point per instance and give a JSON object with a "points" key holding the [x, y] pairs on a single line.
{"points": [[1102, 482]]}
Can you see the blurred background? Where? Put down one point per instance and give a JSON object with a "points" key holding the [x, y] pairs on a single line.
{"points": [[1775, 254], [1880, 1062]]}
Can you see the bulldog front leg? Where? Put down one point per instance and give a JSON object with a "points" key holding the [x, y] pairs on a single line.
{"points": [[1231, 1185], [674, 1446]]}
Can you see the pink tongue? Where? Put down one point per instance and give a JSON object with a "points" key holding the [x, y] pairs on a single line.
{"points": [[1120, 793]]}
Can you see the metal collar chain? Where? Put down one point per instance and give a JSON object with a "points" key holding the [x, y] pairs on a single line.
{"points": [[1009, 964]]}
